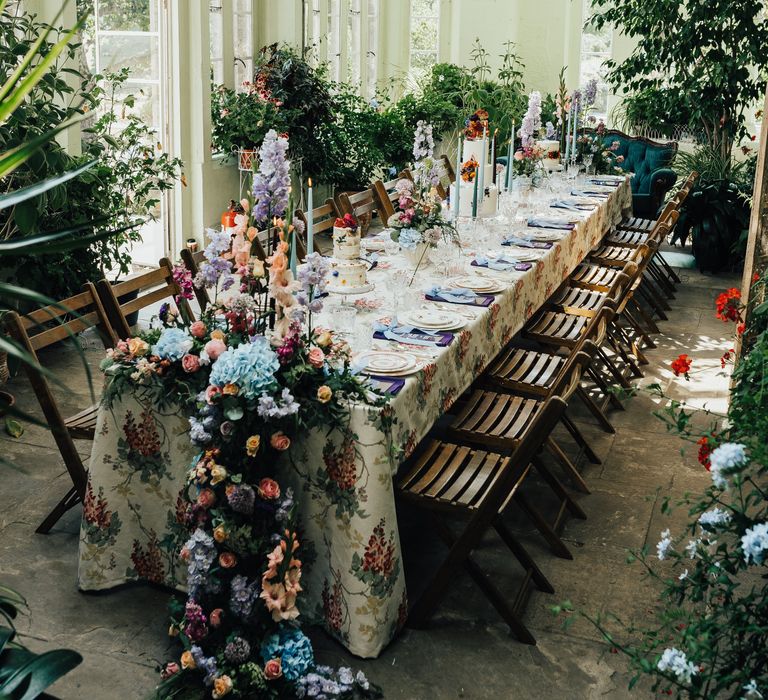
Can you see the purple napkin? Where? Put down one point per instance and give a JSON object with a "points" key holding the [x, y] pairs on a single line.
{"points": [[551, 223], [520, 267], [389, 385], [441, 340], [480, 300], [525, 243]]}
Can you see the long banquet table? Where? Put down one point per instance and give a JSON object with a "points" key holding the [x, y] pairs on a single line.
{"points": [[345, 490]]}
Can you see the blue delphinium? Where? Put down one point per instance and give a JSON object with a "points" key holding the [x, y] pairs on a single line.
{"points": [[172, 344], [293, 648], [243, 595], [251, 366], [216, 269], [754, 543], [202, 552], [206, 664], [273, 180]]}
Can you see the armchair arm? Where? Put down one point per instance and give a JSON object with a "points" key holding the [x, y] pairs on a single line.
{"points": [[662, 181]]}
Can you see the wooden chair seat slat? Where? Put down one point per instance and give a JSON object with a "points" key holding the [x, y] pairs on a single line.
{"points": [[82, 426]]}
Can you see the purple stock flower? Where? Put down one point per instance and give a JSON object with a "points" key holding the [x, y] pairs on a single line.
{"points": [[273, 180]]}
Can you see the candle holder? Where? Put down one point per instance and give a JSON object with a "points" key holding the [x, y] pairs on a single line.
{"points": [[192, 245]]}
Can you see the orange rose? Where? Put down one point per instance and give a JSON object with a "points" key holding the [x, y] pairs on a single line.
{"points": [[187, 661], [215, 617], [218, 335], [206, 498], [138, 347], [231, 389], [220, 534], [221, 686], [324, 394]]}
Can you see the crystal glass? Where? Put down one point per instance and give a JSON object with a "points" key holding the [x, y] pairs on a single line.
{"points": [[343, 317], [587, 162], [391, 247]]}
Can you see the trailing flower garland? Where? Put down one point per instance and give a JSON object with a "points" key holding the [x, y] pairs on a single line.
{"points": [[247, 397]]}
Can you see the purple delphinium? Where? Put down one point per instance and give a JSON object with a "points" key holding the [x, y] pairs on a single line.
{"points": [[206, 664], [531, 121], [272, 181], [423, 143], [590, 92], [215, 269], [201, 551], [285, 406], [313, 277]]}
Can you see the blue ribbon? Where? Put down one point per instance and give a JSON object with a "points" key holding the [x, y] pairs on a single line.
{"points": [[500, 263], [397, 332]]}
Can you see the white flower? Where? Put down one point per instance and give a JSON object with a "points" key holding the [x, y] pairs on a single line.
{"points": [[714, 518], [754, 543], [692, 548], [724, 460], [683, 576], [664, 545], [752, 693], [675, 662]]}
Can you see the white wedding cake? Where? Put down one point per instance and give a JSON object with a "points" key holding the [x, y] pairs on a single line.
{"points": [[551, 154], [487, 203], [348, 272]]}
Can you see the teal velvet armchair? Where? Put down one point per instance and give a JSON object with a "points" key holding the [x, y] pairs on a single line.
{"points": [[650, 162]]}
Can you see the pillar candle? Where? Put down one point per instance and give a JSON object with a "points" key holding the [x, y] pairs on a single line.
{"points": [[474, 196], [493, 157], [568, 134], [482, 163], [510, 156], [574, 153], [310, 220], [457, 184]]}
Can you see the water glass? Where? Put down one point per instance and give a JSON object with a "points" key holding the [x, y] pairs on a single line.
{"points": [[391, 247], [343, 317]]}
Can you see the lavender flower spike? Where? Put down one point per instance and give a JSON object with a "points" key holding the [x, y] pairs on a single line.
{"points": [[273, 180]]}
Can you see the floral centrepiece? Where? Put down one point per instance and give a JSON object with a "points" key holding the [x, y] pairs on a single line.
{"points": [[247, 393]]}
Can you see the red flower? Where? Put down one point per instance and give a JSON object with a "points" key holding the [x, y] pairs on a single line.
{"points": [[726, 358], [728, 305], [706, 444], [741, 328], [682, 365], [755, 277], [346, 221]]}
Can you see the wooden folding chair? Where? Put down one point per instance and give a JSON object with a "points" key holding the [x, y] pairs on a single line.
{"points": [[323, 217], [386, 194], [357, 204], [38, 330], [148, 288], [479, 485]]}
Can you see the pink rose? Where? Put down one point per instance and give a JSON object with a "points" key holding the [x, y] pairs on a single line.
{"points": [[316, 357], [269, 489], [273, 669], [190, 363], [171, 669], [280, 441], [215, 617], [518, 155], [214, 348], [227, 560], [206, 498], [212, 392], [198, 329]]}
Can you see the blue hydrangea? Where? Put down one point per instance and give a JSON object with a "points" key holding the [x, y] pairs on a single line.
{"points": [[293, 648], [754, 543], [172, 344], [409, 238], [251, 366]]}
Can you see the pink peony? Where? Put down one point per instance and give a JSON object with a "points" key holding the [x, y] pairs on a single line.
{"points": [[214, 348], [198, 329], [171, 669], [316, 357], [206, 498], [227, 560], [215, 617], [190, 363]]}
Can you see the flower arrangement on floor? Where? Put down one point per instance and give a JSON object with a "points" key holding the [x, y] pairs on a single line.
{"points": [[709, 635], [418, 222], [248, 393]]}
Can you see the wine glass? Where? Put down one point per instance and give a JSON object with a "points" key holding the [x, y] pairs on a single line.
{"points": [[588, 157]]}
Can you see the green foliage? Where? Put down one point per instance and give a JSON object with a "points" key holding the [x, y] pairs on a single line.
{"points": [[657, 107], [716, 213], [23, 674], [706, 59]]}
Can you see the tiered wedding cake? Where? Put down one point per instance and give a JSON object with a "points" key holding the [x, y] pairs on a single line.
{"points": [[487, 204], [551, 159], [349, 272]]}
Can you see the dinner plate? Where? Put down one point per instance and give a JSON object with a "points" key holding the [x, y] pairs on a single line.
{"points": [[476, 284], [433, 319], [386, 362], [545, 235], [372, 244]]}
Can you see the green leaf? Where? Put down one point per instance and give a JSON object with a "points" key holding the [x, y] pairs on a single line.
{"points": [[41, 672], [13, 427], [20, 195]]}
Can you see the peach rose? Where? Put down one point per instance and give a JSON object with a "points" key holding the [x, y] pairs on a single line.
{"points": [[269, 489], [206, 498], [280, 441], [198, 329], [187, 660], [215, 617], [324, 394], [214, 348], [218, 474], [173, 631], [221, 686], [257, 267], [138, 347], [220, 534], [324, 339], [273, 669], [190, 363], [316, 357], [218, 334], [227, 560], [252, 445], [212, 392]]}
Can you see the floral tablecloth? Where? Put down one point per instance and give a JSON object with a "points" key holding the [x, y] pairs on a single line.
{"points": [[353, 570]]}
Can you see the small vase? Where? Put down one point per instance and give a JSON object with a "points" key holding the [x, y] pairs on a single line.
{"points": [[418, 256], [522, 183]]}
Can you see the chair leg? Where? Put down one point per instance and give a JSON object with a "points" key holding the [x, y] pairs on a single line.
{"points": [[569, 466], [621, 380], [646, 319], [70, 500], [638, 328], [595, 410], [580, 440], [612, 398], [556, 545], [573, 508], [521, 554]]}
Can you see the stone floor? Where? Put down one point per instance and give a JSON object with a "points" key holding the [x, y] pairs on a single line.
{"points": [[468, 652]]}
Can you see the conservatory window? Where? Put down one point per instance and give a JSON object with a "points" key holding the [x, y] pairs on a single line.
{"points": [[424, 37], [242, 21], [216, 26], [596, 46]]}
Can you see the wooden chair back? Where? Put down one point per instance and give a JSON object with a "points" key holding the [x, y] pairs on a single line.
{"points": [[569, 377], [386, 195], [192, 262], [148, 288], [449, 171], [356, 204], [322, 217], [40, 329]]}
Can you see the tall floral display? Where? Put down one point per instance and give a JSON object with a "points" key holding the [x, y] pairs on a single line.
{"points": [[247, 393]]}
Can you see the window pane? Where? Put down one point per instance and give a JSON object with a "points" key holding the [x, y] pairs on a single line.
{"points": [[243, 7], [137, 53], [424, 35], [127, 15], [243, 71], [146, 104], [424, 7], [242, 34], [217, 70], [216, 29], [596, 43]]}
